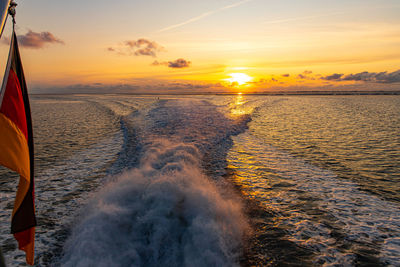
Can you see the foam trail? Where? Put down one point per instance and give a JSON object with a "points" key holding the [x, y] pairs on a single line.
{"points": [[165, 212]]}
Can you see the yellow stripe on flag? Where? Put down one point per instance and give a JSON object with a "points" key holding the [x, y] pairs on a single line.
{"points": [[14, 154]]}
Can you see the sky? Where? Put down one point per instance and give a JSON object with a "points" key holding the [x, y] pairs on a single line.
{"points": [[188, 46]]}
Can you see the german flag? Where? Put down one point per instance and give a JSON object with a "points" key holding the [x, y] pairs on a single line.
{"points": [[16, 148]]}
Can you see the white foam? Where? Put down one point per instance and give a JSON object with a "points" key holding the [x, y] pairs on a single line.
{"points": [[166, 212]]}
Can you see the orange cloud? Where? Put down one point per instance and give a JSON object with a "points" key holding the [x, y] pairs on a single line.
{"points": [[378, 77], [36, 40], [176, 64], [140, 47]]}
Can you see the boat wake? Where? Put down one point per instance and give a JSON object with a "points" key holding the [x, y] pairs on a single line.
{"points": [[165, 211]]}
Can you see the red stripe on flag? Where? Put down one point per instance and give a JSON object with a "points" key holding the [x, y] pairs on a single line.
{"points": [[13, 106], [26, 242]]}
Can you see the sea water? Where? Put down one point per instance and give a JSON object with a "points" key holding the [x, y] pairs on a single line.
{"points": [[212, 180]]}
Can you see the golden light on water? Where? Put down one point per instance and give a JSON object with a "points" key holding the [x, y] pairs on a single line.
{"points": [[237, 107], [239, 100], [239, 78]]}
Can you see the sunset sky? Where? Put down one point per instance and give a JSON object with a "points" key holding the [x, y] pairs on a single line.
{"points": [[208, 46]]}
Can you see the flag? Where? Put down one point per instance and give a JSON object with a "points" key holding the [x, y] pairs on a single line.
{"points": [[16, 148]]}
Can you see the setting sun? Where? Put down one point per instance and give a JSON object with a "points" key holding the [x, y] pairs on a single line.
{"points": [[239, 78]]}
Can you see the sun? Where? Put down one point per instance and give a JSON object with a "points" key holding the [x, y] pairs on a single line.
{"points": [[239, 78]]}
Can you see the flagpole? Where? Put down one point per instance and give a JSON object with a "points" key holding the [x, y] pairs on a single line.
{"points": [[11, 11], [4, 10], [7, 7]]}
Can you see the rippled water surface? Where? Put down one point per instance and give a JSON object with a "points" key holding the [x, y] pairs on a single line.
{"points": [[213, 180], [328, 167]]}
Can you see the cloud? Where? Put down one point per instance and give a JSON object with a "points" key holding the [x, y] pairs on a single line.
{"points": [[362, 76], [380, 77], [335, 76], [158, 63], [377, 77], [204, 15], [286, 75], [280, 21], [36, 40], [304, 75], [136, 86], [176, 64], [179, 63], [140, 47]]}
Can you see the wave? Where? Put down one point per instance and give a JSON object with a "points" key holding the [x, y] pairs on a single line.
{"points": [[165, 211], [339, 224]]}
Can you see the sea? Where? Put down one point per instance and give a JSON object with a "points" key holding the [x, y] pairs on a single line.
{"points": [[212, 180]]}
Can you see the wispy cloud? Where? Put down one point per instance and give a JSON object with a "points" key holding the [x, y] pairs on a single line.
{"points": [[140, 47], [330, 60], [188, 21], [304, 75], [176, 64], [204, 15], [235, 4], [136, 86], [36, 40], [324, 15], [279, 21], [333, 77]]}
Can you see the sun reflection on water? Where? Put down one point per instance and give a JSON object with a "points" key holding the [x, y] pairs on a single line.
{"points": [[238, 106]]}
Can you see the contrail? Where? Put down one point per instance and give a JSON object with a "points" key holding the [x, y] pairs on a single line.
{"points": [[206, 14], [235, 4], [302, 18]]}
